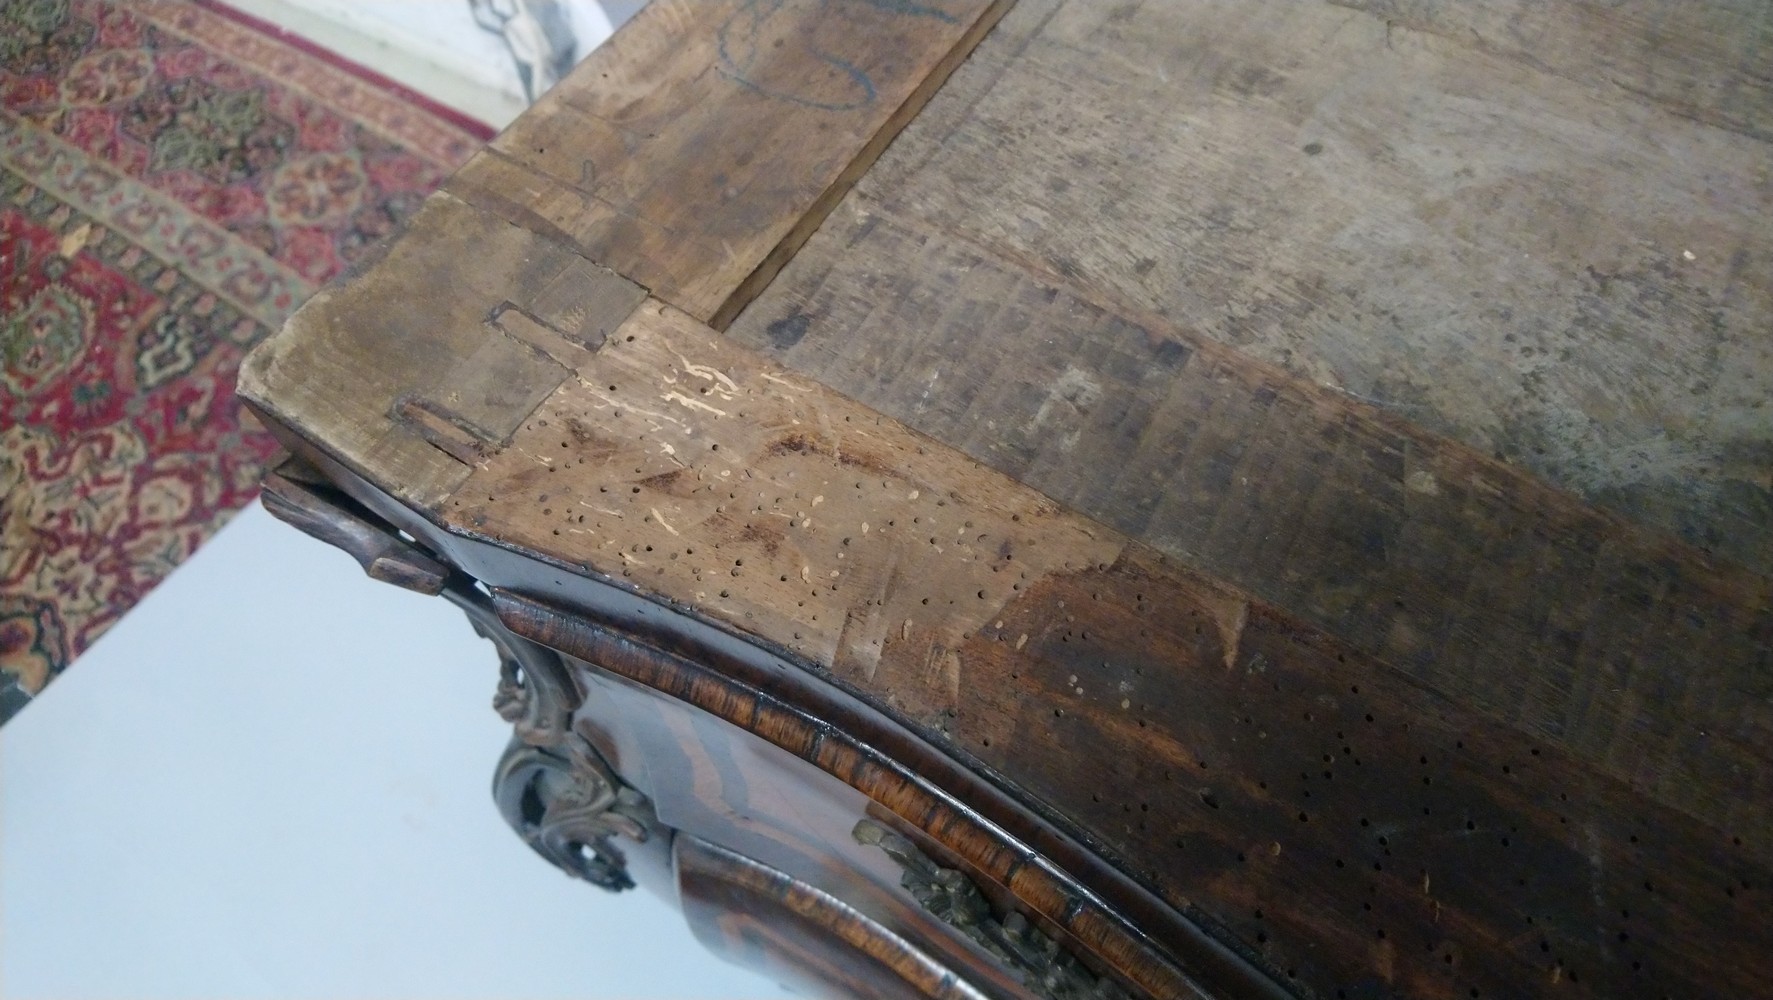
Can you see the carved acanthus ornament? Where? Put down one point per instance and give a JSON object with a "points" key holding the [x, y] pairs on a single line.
{"points": [[536, 693], [552, 785], [951, 897], [569, 807]]}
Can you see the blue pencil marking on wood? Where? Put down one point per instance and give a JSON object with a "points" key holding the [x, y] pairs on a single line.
{"points": [[909, 8], [738, 47]]}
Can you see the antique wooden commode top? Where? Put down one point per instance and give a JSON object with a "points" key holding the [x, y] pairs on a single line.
{"points": [[1095, 499]]}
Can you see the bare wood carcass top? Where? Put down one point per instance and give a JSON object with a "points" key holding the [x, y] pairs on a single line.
{"points": [[1213, 498]]}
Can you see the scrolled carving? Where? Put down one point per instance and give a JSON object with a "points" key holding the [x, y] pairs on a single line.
{"points": [[536, 693], [553, 788], [296, 495], [951, 897], [569, 806], [551, 785]]}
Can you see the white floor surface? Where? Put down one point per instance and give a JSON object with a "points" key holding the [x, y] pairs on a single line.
{"points": [[271, 780]]}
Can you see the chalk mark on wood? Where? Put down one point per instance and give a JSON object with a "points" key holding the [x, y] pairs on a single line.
{"points": [[741, 38]]}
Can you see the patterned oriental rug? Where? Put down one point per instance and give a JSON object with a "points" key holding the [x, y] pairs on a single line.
{"points": [[175, 178]]}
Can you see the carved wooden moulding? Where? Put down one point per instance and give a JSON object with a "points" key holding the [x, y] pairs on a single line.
{"points": [[1073, 500]]}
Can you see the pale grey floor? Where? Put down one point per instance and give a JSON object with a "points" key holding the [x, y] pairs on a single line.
{"points": [[270, 780]]}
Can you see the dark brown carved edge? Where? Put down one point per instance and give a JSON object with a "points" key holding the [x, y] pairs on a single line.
{"points": [[536, 693], [569, 807], [551, 785], [767, 907], [786, 706], [1031, 835], [292, 496], [949, 896]]}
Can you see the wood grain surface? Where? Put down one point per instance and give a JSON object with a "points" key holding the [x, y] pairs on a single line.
{"points": [[696, 150], [1316, 457], [1705, 61], [1620, 642], [755, 916], [730, 787], [1352, 317], [1482, 228], [410, 371], [1185, 724], [750, 697]]}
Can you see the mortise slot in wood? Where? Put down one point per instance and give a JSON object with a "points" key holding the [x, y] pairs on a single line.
{"points": [[441, 429], [532, 333]]}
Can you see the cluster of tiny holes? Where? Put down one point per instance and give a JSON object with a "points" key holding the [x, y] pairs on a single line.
{"points": [[1485, 833], [1311, 766], [607, 517], [1370, 864]]}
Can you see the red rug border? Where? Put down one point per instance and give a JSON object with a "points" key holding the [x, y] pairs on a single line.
{"points": [[479, 130]]}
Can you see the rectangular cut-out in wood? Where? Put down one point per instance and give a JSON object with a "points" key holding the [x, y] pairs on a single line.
{"points": [[404, 371]]}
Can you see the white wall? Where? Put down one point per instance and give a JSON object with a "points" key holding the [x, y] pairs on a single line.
{"points": [[271, 780], [432, 46]]}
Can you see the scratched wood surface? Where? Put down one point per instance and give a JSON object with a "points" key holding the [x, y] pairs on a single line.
{"points": [[1353, 324], [1495, 227], [696, 151], [688, 157], [1615, 640], [1350, 827], [1316, 454], [411, 385]]}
